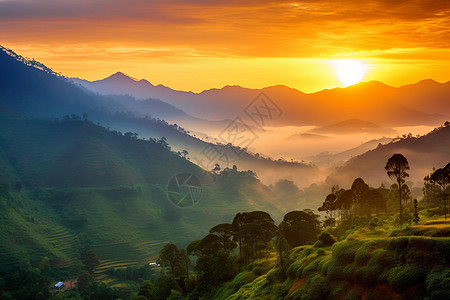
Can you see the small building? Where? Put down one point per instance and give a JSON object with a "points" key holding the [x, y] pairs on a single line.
{"points": [[59, 285], [153, 264]]}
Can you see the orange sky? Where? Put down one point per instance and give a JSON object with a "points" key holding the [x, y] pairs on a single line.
{"points": [[196, 45]]}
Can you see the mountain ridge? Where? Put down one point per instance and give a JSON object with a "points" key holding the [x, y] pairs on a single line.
{"points": [[231, 100]]}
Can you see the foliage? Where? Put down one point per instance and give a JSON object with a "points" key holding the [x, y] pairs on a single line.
{"points": [[396, 168], [299, 228], [326, 239]]}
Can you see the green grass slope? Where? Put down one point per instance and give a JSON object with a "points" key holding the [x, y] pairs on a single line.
{"points": [[370, 263]]}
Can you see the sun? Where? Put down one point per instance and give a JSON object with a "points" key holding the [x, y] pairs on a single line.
{"points": [[349, 71]]}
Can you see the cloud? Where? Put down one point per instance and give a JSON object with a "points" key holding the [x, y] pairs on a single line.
{"points": [[250, 28]]}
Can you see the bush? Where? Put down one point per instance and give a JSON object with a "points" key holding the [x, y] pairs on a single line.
{"points": [[369, 275], [326, 238], [362, 256], [321, 252], [382, 258], [319, 288], [310, 269], [295, 269], [376, 222], [404, 276], [353, 295], [344, 252], [438, 282]]}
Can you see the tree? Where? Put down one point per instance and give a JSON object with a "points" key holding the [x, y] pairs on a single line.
{"points": [[430, 189], [283, 251], [359, 189], [344, 203], [252, 231], [214, 262], [90, 260], [146, 289], [329, 205], [299, 228], [375, 200], [442, 177], [164, 286], [84, 282], [225, 232], [416, 218], [175, 258], [175, 295], [397, 167]]}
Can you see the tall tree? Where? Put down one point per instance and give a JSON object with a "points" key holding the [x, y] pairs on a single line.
{"points": [[397, 167], [329, 205], [375, 201], [359, 189], [253, 231], [442, 177], [175, 258]]}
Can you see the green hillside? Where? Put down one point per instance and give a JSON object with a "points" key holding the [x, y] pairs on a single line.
{"points": [[67, 186], [372, 262]]}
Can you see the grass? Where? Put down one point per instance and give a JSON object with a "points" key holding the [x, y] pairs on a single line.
{"points": [[370, 263]]}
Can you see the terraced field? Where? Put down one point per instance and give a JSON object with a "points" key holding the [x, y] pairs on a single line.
{"points": [[122, 255], [66, 244]]}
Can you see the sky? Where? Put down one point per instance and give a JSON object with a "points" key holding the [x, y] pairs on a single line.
{"points": [[197, 45]]}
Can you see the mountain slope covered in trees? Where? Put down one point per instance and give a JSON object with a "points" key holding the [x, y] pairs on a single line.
{"points": [[70, 185]]}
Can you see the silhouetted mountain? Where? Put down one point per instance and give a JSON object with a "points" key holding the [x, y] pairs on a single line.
{"points": [[30, 91], [418, 104], [327, 159], [352, 126], [423, 153]]}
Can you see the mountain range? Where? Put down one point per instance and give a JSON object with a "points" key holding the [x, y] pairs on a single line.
{"points": [[423, 103], [27, 90]]}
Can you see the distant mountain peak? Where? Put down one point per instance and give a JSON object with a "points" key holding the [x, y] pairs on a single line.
{"points": [[372, 84], [119, 76], [351, 126], [428, 82]]}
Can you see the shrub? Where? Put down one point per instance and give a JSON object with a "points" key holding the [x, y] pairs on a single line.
{"points": [[375, 222], [321, 252], [368, 275], [319, 288], [326, 238], [344, 251], [438, 282], [273, 275], [339, 289], [295, 269], [381, 257], [310, 269], [353, 295], [362, 256], [404, 276]]}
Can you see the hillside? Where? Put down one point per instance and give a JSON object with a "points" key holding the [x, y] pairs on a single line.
{"points": [[71, 185], [372, 262], [352, 126], [50, 96], [423, 153]]}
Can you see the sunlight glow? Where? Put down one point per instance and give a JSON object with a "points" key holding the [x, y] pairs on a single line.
{"points": [[349, 71]]}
